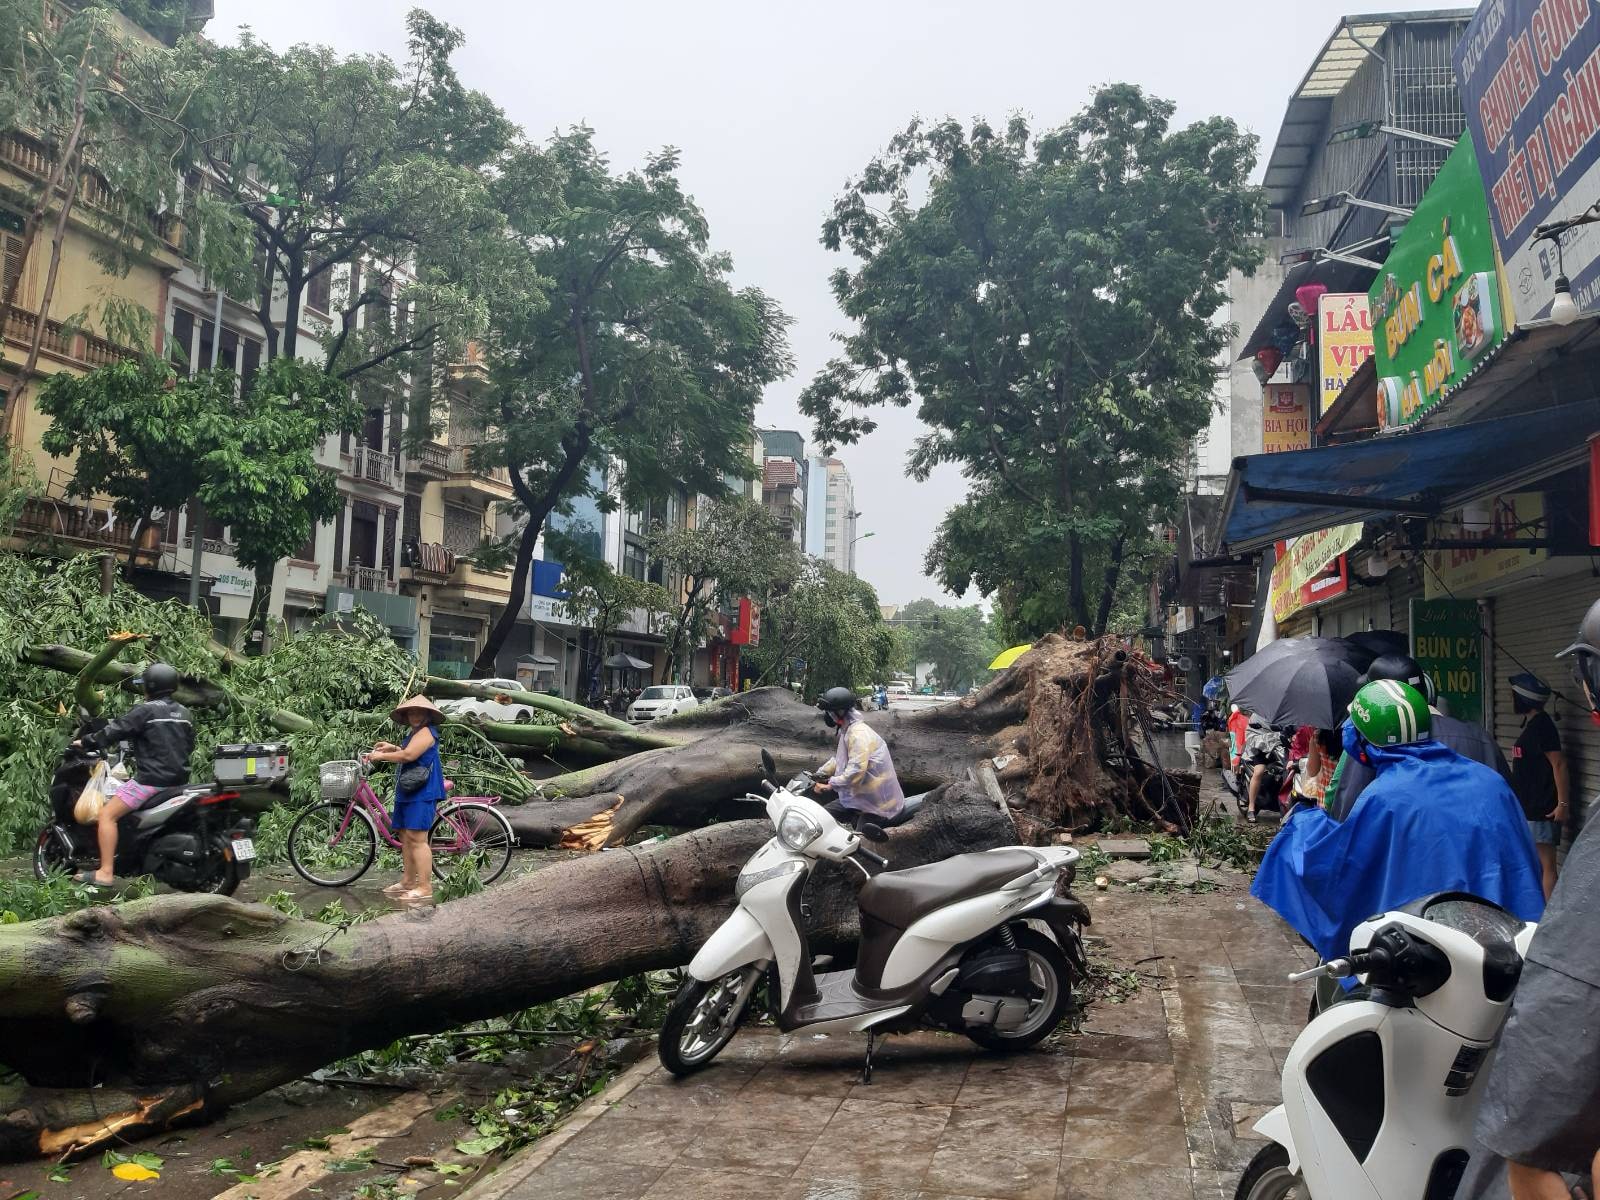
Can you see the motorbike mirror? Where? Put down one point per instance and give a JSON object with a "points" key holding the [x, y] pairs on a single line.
{"points": [[769, 765], [873, 833]]}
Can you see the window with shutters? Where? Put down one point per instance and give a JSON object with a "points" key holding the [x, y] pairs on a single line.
{"points": [[463, 529], [411, 530], [10, 260], [319, 291], [181, 348]]}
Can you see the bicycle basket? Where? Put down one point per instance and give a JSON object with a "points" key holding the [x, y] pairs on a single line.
{"points": [[339, 779]]}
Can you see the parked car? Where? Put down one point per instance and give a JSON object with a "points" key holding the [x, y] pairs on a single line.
{"points": [[898, 691], [663, 700], [481, 712]]}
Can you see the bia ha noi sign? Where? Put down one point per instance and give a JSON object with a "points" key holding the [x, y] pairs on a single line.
{"points": [[1437, 308]]}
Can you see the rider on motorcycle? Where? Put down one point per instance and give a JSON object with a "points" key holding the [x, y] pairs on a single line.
{"points": [[1353, 774], [860, 773], [1432, 821], [162, 733]]}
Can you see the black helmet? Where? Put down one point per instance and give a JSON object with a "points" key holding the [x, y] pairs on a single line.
{"points": [[1585, 654], [1403, 668], [1528, 691], [836, 702], [159, 680]]}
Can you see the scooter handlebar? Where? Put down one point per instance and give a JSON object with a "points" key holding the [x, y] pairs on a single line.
{"points": [[870, 856], [1359, 962]]}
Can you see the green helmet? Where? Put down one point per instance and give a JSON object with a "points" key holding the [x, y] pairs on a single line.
{"points": [[1388, 712]]}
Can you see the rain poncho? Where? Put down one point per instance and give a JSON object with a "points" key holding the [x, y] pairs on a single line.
{"points": [[861, 771], [1431, 821]]}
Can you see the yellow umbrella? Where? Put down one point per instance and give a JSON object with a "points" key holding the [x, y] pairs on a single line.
{"points": [[1006, 657]]}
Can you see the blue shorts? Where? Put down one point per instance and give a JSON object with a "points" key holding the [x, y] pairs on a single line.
{"points": [[1545, 833], [414, 814]]}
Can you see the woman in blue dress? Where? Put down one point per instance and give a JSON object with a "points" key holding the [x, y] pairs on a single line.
{"points": [[415, 807]]}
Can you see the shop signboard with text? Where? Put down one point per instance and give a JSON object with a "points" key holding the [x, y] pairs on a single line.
{"points": [[1311, 569], [1447, 642], [1460, 568], [1285, 417], [1529, 72], [1344, 340], [1436, 305]]}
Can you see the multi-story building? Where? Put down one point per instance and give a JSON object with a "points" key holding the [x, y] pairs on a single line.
{"points": [[839, 517], [785, 481]]}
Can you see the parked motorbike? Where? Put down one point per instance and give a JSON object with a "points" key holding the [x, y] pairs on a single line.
{"points": [[1380, 1090], [188, 838], [958, 945]]}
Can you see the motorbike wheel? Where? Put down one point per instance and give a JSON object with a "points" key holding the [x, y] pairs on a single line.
{"points": [[52, 852], [1268, 1177], [703, 1019], [222, 877], [1050, 972]]}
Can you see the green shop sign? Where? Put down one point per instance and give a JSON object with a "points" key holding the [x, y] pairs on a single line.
{"points": [[1437, 306], [1447, 642]]}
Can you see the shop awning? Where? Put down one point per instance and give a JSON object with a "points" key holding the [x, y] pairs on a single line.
{"points": [[626, 662], [1335, 276], [1276, 496]]}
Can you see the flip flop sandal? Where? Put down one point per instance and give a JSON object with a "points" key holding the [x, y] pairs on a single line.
{"points": [[88, 879], [395, 890], [415, 897]]}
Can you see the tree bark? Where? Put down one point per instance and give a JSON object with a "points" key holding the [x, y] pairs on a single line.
{"points": [[123, 1021], [1108, 592]]}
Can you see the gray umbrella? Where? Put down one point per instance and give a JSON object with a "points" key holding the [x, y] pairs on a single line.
{"points": [[626, 662], [1299, 681]]}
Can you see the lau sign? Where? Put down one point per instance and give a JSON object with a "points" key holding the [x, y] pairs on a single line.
{"points": [[1436, 307], [1529, 72], [1344, 340]]}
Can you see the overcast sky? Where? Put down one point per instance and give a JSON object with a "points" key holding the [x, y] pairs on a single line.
{"points": [[776, 106]]}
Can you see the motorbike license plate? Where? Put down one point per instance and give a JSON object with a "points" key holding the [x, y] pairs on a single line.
{"points": [[244, 849]]}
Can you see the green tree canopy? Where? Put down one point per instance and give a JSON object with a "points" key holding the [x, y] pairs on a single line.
{"points": [[111, 112], [822, 628], [957, 641], [601, 599], [735, 549], [320, 161], [153, 440], [1049, 302], [644, 356]]}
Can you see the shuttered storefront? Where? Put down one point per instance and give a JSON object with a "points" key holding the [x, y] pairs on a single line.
{"points": [[1528, 626], [1380, 605]]}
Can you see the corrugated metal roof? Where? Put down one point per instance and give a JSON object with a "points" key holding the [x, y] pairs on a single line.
{"points": [[1304, 124]]}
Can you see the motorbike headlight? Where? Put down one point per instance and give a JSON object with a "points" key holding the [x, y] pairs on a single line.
{"points": [[796, 830]]}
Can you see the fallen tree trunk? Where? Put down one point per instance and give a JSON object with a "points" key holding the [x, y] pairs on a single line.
{"points": [[125, 1020], [1058, 728]]}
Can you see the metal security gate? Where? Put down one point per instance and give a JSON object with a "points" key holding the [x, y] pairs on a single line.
{"points": [[1527, 627]]}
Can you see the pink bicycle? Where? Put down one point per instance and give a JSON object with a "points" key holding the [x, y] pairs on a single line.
{"points": [[334, 842]]}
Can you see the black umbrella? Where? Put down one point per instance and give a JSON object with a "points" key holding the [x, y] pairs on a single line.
{"points": [[1299, 681], [1374, 642]]}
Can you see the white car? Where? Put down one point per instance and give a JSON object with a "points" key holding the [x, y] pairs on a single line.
{"points": [[481, 712], [664, 700], [898, 691]]}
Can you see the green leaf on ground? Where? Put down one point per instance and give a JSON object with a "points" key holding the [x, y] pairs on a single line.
{"points": [[479, 1146]]}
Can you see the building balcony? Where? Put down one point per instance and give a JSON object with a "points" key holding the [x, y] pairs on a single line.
{"points": [[375, 466], [428, 560], [366, 579], [492, 483], [28, 156], [471, 374], [431, 461], [76, 521], [78, 349]]}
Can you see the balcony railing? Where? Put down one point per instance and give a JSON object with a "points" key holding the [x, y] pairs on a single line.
{"points": [[32, 157], [374, 466], [433, 457], [80, 523], [367, 579], [461, 464], [82, 348]]}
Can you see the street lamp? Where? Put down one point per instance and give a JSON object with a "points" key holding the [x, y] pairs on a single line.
{"points": [[859, 537]]}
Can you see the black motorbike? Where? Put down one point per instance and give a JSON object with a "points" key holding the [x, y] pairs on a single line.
{"points": [[1269, 748], [189, 838]]}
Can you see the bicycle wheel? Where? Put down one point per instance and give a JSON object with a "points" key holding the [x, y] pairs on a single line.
{"points": [[474, 833], [332, 844]]}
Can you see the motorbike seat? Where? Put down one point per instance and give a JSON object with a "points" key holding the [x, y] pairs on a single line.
{"points": [[899, 898], [907, 811]]}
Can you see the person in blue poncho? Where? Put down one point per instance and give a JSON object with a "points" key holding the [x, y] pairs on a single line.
{"points": [[1431, 821]]}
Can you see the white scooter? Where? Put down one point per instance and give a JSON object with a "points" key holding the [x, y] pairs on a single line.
{"points": [[956, 944], [1380, 1090]]}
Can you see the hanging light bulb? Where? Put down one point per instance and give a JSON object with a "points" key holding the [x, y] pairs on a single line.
{"points": [[1563, 309]]}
